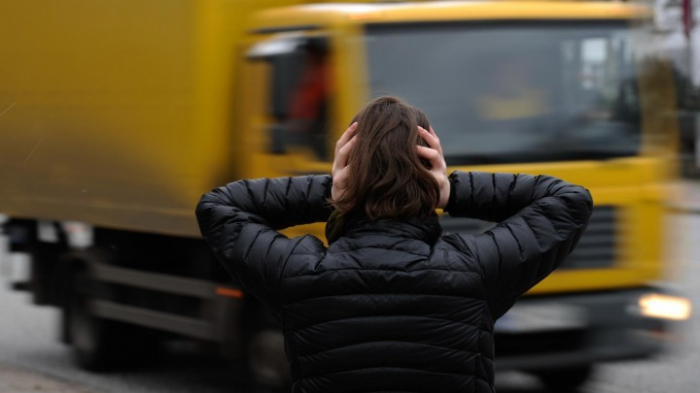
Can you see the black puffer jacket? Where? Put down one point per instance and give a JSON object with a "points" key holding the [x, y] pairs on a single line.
{"points": [[393, 306]]}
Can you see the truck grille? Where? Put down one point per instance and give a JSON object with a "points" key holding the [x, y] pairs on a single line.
{"points": [[596, 248]]}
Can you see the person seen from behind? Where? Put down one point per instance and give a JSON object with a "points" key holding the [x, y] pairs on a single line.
{"points": [[392, 303]]}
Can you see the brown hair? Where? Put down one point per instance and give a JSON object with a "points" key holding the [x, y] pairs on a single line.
{"points": [[387, 178]]}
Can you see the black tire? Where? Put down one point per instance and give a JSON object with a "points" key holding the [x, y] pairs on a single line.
{"points": [[95, 341], [566, 380], [100, 344]]}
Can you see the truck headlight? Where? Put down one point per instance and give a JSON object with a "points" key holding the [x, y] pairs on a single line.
{"points": [[656, 305]]}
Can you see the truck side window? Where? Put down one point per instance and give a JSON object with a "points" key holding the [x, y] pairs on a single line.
{"points": [[299, 97], [308, 116]]}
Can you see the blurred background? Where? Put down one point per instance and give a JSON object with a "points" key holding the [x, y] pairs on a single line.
{"points": [[115, 116]]}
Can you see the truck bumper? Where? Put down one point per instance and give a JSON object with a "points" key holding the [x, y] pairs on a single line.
{"points": [[567, 331]]}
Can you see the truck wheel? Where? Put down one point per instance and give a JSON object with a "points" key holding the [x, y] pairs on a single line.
{"points": [[95, 341], [267, 362], [101, 344], [566, 379]]}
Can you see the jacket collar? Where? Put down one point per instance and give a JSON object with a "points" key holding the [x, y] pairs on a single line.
{"points": [[357, 225]]}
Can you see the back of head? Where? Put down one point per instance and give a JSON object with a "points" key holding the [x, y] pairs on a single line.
{"points": [[387, 178]]}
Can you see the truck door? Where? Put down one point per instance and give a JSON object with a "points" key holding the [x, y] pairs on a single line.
{"points": [[291, 75]]}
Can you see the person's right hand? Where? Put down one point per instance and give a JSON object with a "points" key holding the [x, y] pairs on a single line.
{"points": [[340, 161], [438, 167]]}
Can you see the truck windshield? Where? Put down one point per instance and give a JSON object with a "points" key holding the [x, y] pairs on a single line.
{"points": [[516, 92]]}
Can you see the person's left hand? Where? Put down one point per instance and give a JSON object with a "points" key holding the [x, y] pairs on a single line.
{"points": [[438, 167], [340, 162]]}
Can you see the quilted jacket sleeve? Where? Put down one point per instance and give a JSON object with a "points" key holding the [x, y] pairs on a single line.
{"points": [[239, 221], [540, 220]]}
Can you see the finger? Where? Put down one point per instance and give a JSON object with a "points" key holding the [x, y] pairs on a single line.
{"points": [[432, 131], [429, 154], [344, 152], [437, 161], [346, 136], [341, 158], [431, 139]]}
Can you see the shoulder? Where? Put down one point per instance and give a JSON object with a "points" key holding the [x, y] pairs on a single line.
{"points": [[309, 245], [457, 252], [303, 255], [457, 244]]}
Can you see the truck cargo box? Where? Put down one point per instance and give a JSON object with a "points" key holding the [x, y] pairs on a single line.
{"points": [[117, 113]]}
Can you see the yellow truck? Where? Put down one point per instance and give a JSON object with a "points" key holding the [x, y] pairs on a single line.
{"points": [[116, 116]]}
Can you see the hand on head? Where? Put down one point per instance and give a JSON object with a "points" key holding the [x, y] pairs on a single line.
{"points": [[432, 153], [340, 162], [438, 167]]}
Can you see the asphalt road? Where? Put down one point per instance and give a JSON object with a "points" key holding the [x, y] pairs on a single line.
{"points": [[28, 339]]}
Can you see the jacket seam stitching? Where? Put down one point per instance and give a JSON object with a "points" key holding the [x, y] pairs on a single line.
{"points": [[393, 368], [427, 256], [380, 270], [280, 271], [474, 354], [475, 326]]}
